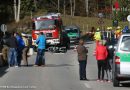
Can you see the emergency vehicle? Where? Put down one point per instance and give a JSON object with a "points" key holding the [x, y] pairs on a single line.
{"points": [[51, 25], [73, 33]]}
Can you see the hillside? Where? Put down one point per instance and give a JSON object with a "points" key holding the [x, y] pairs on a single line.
{"points": [[85, 23]]}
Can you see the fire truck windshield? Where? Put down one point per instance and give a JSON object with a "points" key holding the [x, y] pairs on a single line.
{"points": [[43, 24]]}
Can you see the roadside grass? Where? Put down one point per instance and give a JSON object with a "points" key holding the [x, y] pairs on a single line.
{"points": [[85, 23]]}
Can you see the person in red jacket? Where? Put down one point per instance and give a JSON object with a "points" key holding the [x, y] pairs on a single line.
{"points": [[101, 55]]}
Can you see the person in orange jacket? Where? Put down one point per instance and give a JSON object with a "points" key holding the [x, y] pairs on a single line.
{"points": [[101, 55]]}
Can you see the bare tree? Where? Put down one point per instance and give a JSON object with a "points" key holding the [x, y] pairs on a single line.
{"points": [[71, 7], [86, 4], [74, 8], [64, 8], [18, 13], [17, 10], [58, 5], [35, 4]]}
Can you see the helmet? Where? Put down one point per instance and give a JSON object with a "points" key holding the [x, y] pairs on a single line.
{"points": [[108, 28], [98, 29], [118, 27], [23, 34]]}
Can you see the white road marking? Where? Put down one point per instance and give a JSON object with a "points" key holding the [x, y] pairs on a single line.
{"points": [[87, 85]]}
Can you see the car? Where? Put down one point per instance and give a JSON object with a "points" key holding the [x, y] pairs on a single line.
{"points": [[121, 61], [73, 33]]}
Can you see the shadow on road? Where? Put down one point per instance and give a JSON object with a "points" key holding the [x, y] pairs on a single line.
{"points": [[30, 65], [92, 79], [3, 71], [48, 65], [60, 65], [127, 84]]}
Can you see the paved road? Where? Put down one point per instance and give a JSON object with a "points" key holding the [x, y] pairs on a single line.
{"points": [[61, 73]]}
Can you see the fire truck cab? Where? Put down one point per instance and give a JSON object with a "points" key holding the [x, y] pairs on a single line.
{"points": [[51, 25]]}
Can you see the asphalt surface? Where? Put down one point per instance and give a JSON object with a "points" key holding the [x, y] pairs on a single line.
{"points": [[60, 73]]}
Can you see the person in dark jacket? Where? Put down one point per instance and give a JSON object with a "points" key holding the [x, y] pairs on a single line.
{"points": [[41, 42], [82, 59], [101, 55], [5, 47], [12, 56], [1, 41], [109, 62]]}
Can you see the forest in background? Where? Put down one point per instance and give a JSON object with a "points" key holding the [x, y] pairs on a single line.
{"points": [[20, 11]]}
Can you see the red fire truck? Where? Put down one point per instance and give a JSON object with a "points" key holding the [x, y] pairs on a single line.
{"points": [[51, 25]]}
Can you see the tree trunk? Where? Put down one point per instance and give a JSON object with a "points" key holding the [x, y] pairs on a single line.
{"points": [[58, 6], [86, 4], [15, 10], [74, 8], [71, 8], [64, 8], [18, 11], [35, 4]]}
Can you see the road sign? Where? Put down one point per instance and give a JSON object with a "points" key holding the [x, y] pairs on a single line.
{"points": [[3, 27], [128, 18], [100, 15]]}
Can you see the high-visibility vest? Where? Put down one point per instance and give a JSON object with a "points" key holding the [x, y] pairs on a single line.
{"points": [[97, 36]]}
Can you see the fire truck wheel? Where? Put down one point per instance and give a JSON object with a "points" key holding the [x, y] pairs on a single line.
{"points": [[64, 51]]}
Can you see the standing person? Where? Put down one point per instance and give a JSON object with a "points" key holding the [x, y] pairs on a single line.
{"points": [[101, 55], [5, 47], [12, 55], [93, 30], [20, 48], [82, 59], [41, 42], [25, 50], [1, 41], [109, 62], [97, 36]]}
